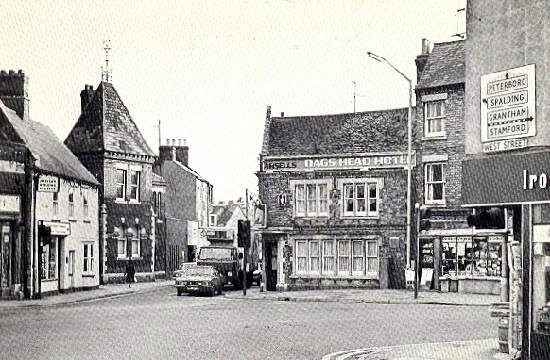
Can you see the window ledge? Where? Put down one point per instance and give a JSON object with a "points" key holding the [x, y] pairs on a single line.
{"points": [[438, 205], [335, 277], [311, 217], [435, 137], [87, 220], [365, 217], [88, 275], [72, 219], [48, 280]]}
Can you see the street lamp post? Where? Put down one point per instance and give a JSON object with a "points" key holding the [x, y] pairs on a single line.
{"points": [[409, 150]]}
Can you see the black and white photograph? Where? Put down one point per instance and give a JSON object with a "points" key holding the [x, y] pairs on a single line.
{"points": [[275, 179]]}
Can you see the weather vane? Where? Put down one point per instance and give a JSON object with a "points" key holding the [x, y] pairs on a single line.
{"points": [[106, 73]]}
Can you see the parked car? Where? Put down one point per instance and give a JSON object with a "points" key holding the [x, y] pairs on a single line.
{"points": [[198, 279]]}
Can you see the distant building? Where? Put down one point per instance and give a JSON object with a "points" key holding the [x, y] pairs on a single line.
{"points": [[109, 144], [186, 202], [48, 205], [335, 189], [222, 223]]}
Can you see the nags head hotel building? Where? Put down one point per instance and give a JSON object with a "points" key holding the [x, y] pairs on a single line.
{"points": [[335, 189]]}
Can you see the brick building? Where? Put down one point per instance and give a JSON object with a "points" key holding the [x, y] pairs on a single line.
{"points": [[335, 192], [187, 202], [48, 205], [109, 144]]}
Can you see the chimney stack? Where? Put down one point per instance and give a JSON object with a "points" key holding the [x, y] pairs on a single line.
{"points": [[173, 152], [422, 58], [282, 114], [268, 113], [86, 96], [14, 92]]}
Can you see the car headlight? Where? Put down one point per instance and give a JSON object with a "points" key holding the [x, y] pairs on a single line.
{"points": [[206, 283]]}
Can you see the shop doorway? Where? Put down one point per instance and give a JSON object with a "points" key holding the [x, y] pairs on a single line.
{"points": [[271, 265], [70, 268], [5, 273]]}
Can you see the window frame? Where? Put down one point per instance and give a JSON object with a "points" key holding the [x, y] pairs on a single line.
{"points": [[367, 185], [121, 185], [122, 239], [428, 184], [302, 198], [131, 186], [55, 204], [299, 256], [88, 259], [85, 205], [71, 203], [441, 118], [135, 238], [310, 256]]}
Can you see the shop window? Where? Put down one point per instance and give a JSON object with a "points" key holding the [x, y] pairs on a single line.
{"points": [[434, 183], [328, 257], [88, 258], [311, 199], [121, 184], [360, 199], [71, 204], [540, 302], [434, 118], [49, 260], [471, 256], [55, 202], [135, 179]]}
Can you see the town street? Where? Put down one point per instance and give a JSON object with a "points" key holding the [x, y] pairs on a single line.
{"points": [[158, 324]]}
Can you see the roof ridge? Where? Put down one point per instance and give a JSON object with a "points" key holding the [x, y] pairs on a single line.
{"points": [[341, 114]]}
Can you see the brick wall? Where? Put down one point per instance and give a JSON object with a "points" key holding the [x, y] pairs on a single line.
{"points": [[110, 180], [452, 146]]}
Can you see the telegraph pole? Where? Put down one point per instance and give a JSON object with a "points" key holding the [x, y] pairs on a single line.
{"points": [[245, 250], [354, 89]]}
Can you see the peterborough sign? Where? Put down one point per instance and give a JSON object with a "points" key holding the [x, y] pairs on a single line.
{"points": [[338, 162], [508, 109]]}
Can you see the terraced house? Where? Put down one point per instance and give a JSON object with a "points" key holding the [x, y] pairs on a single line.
{"points": [[335, 188], [109, 144], [48, 205]]}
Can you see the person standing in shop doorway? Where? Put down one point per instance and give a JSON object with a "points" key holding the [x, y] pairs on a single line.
{"points": [[130, 272]]}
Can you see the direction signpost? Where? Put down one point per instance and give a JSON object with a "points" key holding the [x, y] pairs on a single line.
{"points": [[508, 109]]}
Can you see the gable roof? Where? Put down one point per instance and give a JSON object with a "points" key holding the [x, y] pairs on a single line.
{"points": [[224, 212], [362, 132], [106, 125], [52, 156], [445, 65]]}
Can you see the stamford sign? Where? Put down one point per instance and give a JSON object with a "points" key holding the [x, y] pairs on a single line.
{"points": [[508, 109], [342, 162]]}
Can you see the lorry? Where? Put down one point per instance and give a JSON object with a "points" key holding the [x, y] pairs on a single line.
{"points": [[228, 262]]}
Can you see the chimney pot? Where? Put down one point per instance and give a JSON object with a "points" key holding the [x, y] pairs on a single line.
{"points": [[184, 142], [167, 141], [282, 114], [425, 47], [3, 73], [179, 142], [11, 72], [173, 142], [86, 96]]}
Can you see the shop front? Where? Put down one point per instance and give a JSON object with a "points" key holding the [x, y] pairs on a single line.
{"points": [[51, 237], [10, 245], [518, 181]]}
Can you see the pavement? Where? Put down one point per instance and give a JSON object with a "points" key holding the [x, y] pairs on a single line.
{"points": [[484, 349], [376, 296], [104, 291]]}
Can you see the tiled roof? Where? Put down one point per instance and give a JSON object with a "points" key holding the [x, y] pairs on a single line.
{"points": [[53, 157], [106, 125], [372, 131], [445, 65], [224, 213]]}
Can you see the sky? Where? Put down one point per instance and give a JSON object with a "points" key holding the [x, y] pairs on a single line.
{"points": [[208, 69]]}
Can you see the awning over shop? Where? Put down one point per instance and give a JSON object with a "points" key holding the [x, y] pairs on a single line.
{"points": [[513, 178]]}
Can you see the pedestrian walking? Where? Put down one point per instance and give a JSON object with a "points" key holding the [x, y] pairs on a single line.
{"points": [[130, 272]]}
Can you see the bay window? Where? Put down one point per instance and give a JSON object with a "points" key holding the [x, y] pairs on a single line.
{"points": [[337, 257]]}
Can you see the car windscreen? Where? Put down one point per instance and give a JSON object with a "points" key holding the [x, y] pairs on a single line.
{"points": [[215, 254], [198, 271]]}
